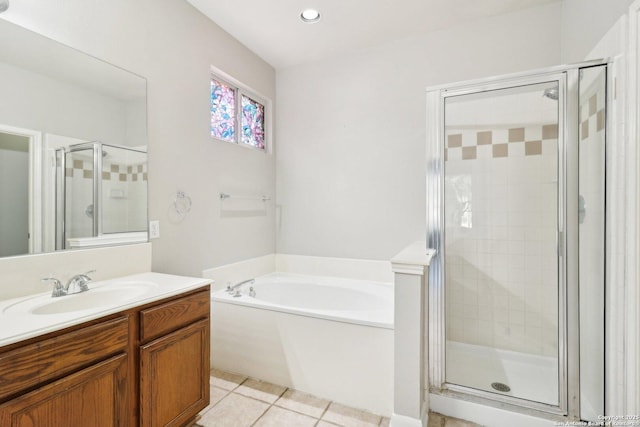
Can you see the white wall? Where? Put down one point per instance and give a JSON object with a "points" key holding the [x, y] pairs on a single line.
{"points": [[41, 103], [351, 131], [585, 22], [174, 46]]}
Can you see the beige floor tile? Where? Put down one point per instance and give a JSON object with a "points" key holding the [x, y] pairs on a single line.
{"points": [[325, 424], [455, 422], [278, 417], [303, 402], [216, 395], [435, 420], [260, 390], [226, 380], [385, 422], [349, 417], [233, 411]]}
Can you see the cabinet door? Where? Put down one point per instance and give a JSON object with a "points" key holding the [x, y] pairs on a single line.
{"points": [[95, 396], [174, 376]]}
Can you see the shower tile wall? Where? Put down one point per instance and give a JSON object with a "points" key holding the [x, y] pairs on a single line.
{"points": [[501, 269]]}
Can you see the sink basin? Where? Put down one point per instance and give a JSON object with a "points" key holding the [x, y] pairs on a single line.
{"points": [[107, 295]]}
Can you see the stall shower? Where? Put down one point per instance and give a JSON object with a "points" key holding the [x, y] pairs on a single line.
{"points": [[516, 213], [101, 193]]}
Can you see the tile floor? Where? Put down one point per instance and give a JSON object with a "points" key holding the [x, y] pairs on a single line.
{"points": [[238, 401]]}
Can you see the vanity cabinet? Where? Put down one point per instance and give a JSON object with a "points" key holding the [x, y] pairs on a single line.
{"points": [[174, 361], [146, 366]]}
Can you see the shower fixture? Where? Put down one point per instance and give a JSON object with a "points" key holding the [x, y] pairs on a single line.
{"points": [[551, 93], [4, 5]]}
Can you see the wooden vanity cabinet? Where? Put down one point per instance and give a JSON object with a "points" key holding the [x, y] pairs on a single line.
{"points": [[174, 361], [146, 366]]}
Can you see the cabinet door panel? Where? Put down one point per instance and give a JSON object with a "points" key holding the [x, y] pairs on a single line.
{"points": [[95, 396], [174, 372]]}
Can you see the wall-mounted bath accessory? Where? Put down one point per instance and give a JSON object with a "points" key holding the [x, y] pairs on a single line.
{"points": [[182, 203], [4, 5], [225, 196]]}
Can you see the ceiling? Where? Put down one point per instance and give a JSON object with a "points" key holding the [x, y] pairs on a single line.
{"points": [[273, 30]]}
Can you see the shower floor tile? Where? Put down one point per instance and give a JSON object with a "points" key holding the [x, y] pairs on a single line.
{"points": [[238, 401]]}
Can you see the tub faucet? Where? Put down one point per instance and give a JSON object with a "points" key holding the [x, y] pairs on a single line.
{"points": [[235, 289], [78, 283]]}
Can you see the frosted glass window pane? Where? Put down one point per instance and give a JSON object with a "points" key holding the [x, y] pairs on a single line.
{"points": [[252, 122], [223, 111]]}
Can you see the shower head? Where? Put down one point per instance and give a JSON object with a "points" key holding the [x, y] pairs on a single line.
{"points": [[551, 93], [4, 5]]}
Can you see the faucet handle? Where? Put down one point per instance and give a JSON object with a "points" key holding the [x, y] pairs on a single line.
{"points": [[58, 288]]}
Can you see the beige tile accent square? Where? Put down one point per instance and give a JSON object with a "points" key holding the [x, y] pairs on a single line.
{"points": [[550, 131], [122, 176], [78, 164], [500, 150], [516, 134], [532, 148], [303, 402], [593, 105], [260, 390], [115, 168], [234, 411], [225, 380], [601, 120], [129, 169], [484, 138], [350, 417], [106, 176], [87, 174], [278, 417], [454, 140], [584, 130], [134, 177], [68, 172], [469, 153]]}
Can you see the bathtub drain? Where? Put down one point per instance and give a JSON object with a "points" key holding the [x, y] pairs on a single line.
{"points": [[500, 387]]}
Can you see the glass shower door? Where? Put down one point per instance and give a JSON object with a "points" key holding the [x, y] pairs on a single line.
{"points": [[79, 190], [502, 219]]}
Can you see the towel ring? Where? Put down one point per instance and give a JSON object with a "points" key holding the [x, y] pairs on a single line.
{"points": [[182, 203]]}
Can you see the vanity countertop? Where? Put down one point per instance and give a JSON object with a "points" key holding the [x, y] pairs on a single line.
{"points": [[34, 315]]}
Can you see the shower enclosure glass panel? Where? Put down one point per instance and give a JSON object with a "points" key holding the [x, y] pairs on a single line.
{"points": [[124, 190], [78, 192], [501, 224], [591, 233]]}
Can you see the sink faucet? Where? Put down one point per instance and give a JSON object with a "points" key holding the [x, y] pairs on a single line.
{"points": [[76, 284], [58, 287], [235, 289]]}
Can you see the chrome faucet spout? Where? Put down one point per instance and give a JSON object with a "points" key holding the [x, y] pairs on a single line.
{"points": [[235, 289], [78, 283]]}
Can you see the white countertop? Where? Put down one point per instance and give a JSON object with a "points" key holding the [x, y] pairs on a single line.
{"points": [[17, 324]]}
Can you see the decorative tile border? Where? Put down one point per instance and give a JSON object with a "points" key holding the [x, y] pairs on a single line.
{"points": [[110, 172], [470, 147]]}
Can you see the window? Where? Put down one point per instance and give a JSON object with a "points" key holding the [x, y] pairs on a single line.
{"points": [[237, 116]]}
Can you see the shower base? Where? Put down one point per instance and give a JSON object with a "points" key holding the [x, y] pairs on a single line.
{"points": [[527, 376]]}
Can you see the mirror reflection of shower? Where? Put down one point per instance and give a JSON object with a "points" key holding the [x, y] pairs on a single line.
{"points": [[101, 193]]}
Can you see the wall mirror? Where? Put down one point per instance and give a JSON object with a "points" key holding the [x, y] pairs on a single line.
{"points": [[73, 138]]}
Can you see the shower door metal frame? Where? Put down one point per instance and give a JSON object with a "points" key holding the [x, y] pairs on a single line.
{"points": [[567, 248]]}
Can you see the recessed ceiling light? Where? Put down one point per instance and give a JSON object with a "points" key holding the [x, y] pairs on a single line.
{"points": [[310, 16]]}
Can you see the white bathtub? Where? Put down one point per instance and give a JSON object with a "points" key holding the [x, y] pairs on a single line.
{"points": [[329, 337]]}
